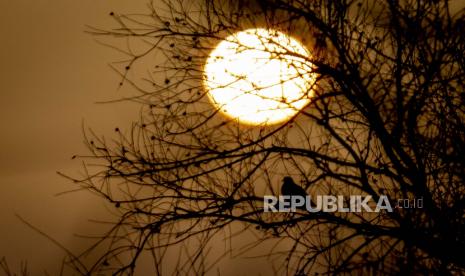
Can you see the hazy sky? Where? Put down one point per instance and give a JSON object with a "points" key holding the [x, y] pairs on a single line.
{"points": [[52, 73]]}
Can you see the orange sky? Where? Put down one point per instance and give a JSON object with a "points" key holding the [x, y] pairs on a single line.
{"points": [[52, 73]]}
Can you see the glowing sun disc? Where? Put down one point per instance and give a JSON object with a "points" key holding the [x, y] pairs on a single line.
{"points": [[259, 77]]}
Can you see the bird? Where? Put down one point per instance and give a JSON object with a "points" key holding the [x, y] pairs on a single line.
{"points": [[290, 188]]}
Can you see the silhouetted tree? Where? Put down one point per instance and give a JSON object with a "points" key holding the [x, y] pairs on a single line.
{"points": [[386, 118]]}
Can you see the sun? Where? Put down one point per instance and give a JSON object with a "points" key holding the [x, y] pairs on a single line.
{"points": [[259, 77]]}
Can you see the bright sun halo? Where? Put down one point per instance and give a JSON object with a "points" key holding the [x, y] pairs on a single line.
{"points": [[259, 77]]}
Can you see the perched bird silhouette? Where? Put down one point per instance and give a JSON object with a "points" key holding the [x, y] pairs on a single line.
{"points": [[289, 188]]}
